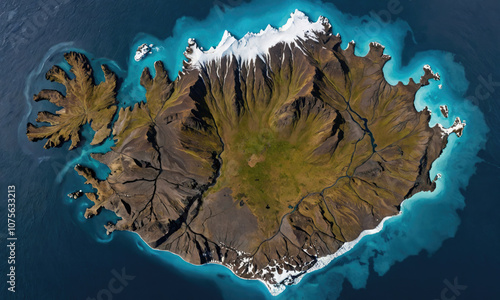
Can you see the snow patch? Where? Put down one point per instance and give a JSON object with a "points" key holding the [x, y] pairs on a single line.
{"points": [[293, 277], [253, 45], [444, 110], [457, 127], [142, 51]]}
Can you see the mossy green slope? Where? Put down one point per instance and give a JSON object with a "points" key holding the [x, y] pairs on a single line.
{"points": [[270, 163]]}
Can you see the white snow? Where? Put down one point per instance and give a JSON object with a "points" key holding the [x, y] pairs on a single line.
{"points": [[437, 76], [254, 45], [142, 51], [246, 49], [444, 110], [276, 289], [376, 44], [457, 127], [346, 247]]}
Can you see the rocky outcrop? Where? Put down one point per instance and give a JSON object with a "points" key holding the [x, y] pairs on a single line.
{"points": [[142, 51], [75, 195], [444, 110]]}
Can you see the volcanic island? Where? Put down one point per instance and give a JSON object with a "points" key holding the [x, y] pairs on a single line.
{"points": [[266, 154]]}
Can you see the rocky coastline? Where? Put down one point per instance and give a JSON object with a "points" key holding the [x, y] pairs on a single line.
{"points": [[266, 163]]}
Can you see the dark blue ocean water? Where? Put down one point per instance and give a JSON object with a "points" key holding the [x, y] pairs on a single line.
{"points": [[452, 234]]}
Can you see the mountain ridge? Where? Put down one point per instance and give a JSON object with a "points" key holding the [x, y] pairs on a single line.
{"points": [[266, 165]]}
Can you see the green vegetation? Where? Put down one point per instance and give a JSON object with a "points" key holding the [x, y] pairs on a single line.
{"points": [[274, 167], [287, 157], [84, 103]]}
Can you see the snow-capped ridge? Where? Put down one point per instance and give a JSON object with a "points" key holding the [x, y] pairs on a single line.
{"points": [[254, 45]]}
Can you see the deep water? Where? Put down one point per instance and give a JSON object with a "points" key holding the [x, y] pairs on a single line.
{"points": [[450, 234]]}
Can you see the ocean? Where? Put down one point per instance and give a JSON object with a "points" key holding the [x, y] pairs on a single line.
{"points": [[444, 238]]}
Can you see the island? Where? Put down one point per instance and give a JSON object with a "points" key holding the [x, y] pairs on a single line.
{"points": [[444, 110], [266, 154]]}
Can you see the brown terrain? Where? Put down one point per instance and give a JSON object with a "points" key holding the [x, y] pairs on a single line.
{"points": [[263, 166]]}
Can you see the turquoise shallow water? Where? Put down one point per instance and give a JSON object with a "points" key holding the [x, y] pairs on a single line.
{"points": [[427, 219]]}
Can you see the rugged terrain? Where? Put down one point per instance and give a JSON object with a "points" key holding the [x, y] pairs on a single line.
{"points": [[263, 164]]}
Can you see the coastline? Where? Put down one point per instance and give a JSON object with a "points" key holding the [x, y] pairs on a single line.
{"points": [[275, 290], [228, 45], [320, 263], [197, 57], [325, 259]]}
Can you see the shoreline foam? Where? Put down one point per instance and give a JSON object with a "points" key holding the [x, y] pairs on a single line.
{"points": [[335, 254], [298, 26], [274, 290]]}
